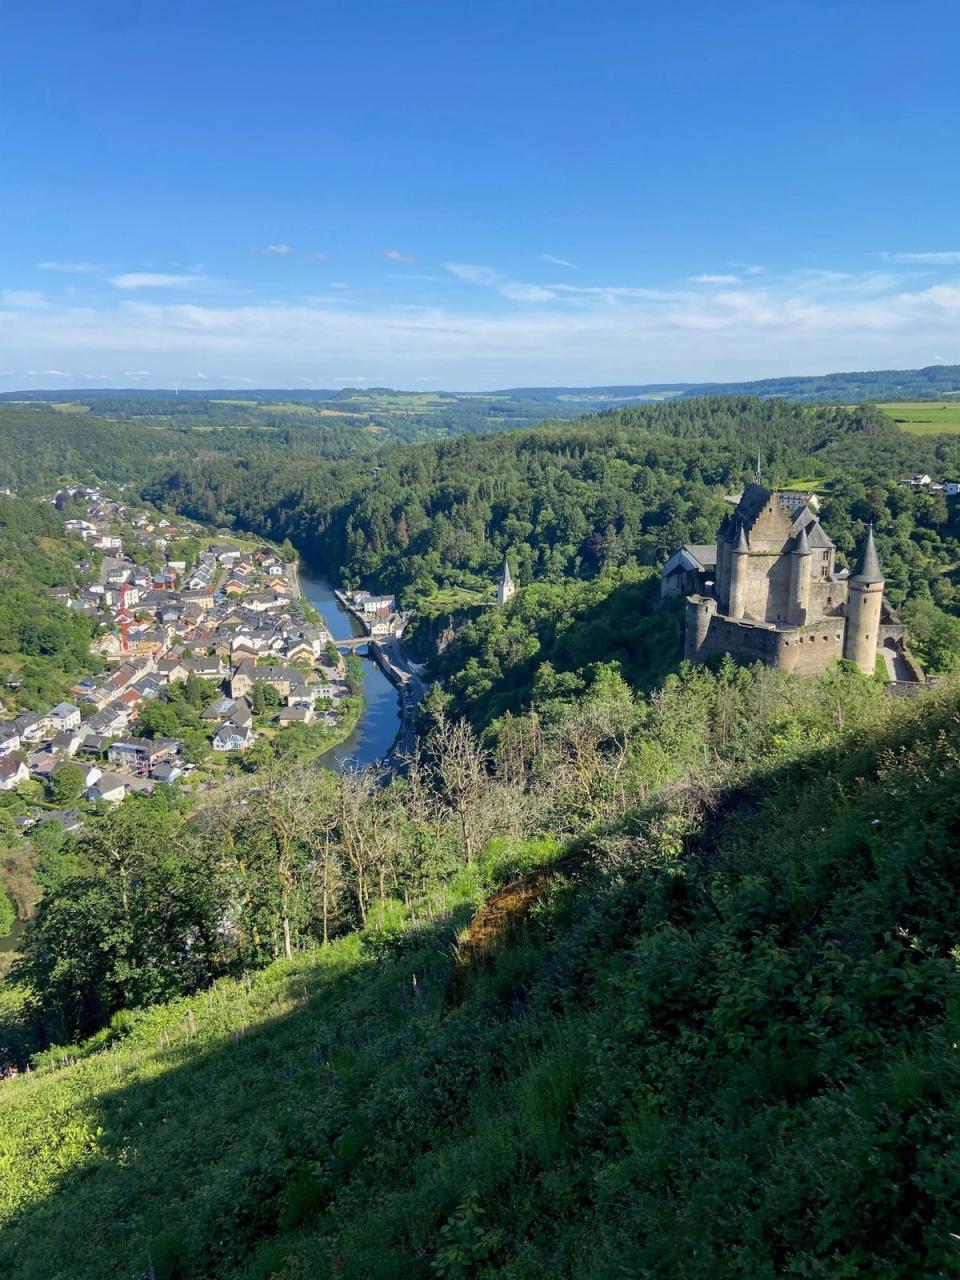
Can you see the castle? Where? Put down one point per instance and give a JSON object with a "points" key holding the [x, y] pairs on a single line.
{"points": [[769, 592]]}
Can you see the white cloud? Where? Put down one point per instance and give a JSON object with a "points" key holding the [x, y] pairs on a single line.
{"points": [[152, 280], [942, 258], [708, 279], [800, 322], [471, 274], [27, 299], [71, 268], [338, 284], [201, 375], [316, 254], [748, 268], [275, 248], [558, 262], [519, 292], [515, 290], [396, 256]]}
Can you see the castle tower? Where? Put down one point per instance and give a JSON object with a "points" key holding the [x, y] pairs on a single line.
{"points": [[865, 595], [700, 611], [799, 580], [738, 576], [506, 587]]}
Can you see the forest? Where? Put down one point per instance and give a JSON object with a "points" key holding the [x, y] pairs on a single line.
{"points": [[572, 499], [44, 646]]}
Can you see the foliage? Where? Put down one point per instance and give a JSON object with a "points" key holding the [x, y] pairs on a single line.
{"points": [[719, 1043], [44, 646]]}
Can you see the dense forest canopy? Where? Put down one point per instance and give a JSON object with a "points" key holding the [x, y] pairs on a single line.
{"points": [[44, 646], [574, 499]]}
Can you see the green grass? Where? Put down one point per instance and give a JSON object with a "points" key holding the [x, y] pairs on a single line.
{"points": [[925, 417]]}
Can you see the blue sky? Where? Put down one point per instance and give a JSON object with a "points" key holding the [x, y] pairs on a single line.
{"points": [[435, 194]]}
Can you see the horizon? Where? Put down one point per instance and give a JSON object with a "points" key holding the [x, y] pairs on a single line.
{"points": [[523, 196], [368, 388]]}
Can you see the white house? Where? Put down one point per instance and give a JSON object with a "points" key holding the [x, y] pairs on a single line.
{"points": [[233, 737], [63, 716], [12, 772], [109, 788]]}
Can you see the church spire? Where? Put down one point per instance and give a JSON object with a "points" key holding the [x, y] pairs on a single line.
{"points": [[506, 587]]}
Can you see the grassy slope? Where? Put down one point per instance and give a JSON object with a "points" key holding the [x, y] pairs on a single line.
{"points": [[723, 1048]]}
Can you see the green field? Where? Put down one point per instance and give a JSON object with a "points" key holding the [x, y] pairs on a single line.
{"points": [[925, 417]]}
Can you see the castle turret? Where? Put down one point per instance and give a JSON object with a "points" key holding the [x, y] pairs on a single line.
{"points": [[738, 575], [506, 587], [701, 610], [864, 598], [799, 580]]}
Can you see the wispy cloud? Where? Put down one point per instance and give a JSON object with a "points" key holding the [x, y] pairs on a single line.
{"points": [[153, 280], [27, 299], [316, 254], [472, 274], [274, 248], [558, 262], [748, 268], [794, 322], [517, 291], [396, 256], [711, 279], [71, 268], [940, 258]]}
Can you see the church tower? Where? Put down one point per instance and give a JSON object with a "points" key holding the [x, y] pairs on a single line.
{"points": [[506, 587], [864, 597]]}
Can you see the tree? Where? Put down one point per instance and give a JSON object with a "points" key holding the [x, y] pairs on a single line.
{"points": [[158, 719], [461, 765], [67, 784]]}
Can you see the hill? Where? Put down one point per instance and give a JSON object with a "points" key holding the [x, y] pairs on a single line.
{"points": [[712, 1039], [510, 406]]}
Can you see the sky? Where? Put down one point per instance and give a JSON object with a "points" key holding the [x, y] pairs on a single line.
{"points": [[326, 193]]}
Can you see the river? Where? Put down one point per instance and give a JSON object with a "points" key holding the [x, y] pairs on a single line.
{"points": [[379, 725]]}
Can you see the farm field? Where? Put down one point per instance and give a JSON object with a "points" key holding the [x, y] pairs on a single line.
{"points": [[925, 417]]}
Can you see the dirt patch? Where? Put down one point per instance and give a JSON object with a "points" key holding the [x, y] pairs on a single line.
{"points": [[499, 920]]}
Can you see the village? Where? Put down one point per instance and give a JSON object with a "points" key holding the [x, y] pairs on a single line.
{"points": [[222, 640]]}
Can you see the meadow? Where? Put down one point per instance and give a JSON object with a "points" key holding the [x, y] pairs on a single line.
{"points": [[925, 417]]}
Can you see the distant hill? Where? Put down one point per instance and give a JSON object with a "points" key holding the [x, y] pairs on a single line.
{"points": [[843, 388]]}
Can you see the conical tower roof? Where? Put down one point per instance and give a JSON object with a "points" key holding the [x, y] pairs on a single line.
{"points": [[868, 570], [507, 580], [803, 546], [742, 547]]}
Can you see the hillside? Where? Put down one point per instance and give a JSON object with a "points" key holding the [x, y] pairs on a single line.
{"points": [[718, 1044]]}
